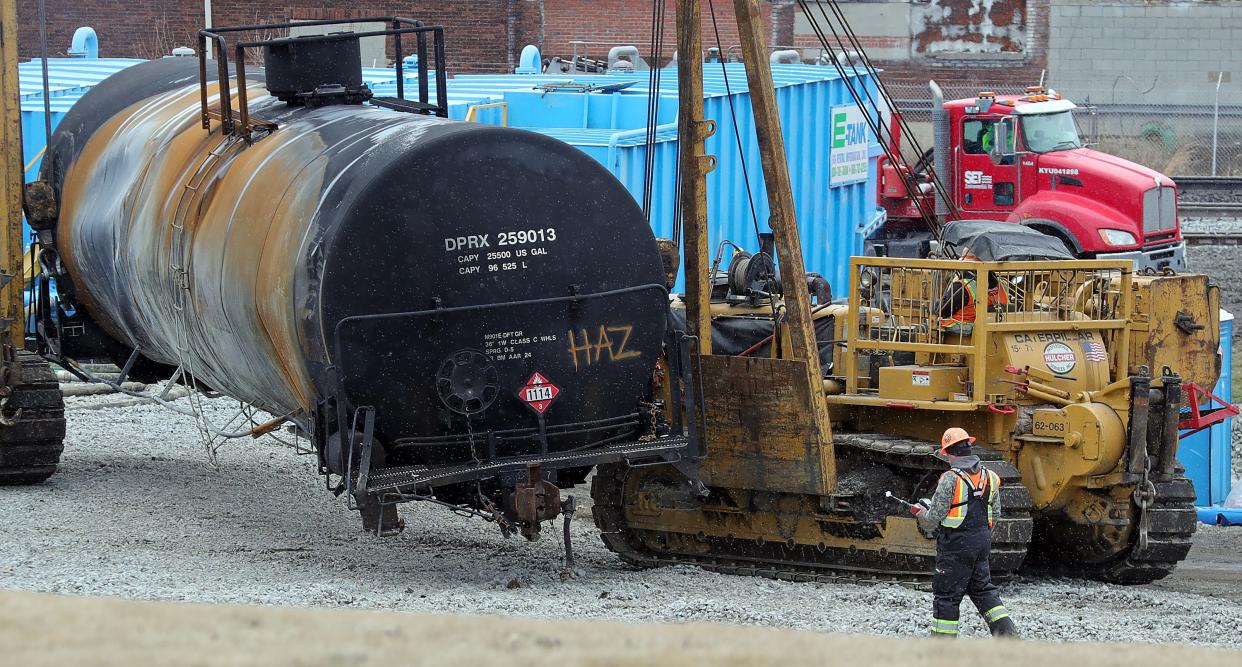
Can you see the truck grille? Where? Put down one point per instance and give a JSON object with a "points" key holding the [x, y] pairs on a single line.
{"points": [[1159, 209]]}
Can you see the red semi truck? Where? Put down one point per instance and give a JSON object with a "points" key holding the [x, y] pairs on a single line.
{"points": [[1020, 159]]}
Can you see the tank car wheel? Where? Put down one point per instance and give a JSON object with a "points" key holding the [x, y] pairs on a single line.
{"points": [[30, 448]]}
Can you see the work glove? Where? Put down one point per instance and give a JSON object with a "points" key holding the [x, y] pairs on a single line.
{"points": [[919, 507]]}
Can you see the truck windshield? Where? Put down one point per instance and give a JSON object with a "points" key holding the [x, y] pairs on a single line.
{"points": [[1049, 132]]}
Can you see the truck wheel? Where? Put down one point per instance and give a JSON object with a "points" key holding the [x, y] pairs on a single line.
{"points": [[30, 449], [1053, 229]]}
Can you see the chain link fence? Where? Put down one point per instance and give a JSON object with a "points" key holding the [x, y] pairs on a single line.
{"points": [[1199, 139]]}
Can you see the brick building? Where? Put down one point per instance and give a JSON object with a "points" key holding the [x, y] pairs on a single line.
{"points": [[481, 35], [1153, 50], [1001, 43]]}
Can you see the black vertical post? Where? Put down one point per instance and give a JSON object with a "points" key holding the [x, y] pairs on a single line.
{"points": [[441, 74], [697, 421], [1169, 426], [202, 78], [397, 51], [422, 67], [1140, 404], [674, 376], [226, 95], [243, 105], [543, 436]]}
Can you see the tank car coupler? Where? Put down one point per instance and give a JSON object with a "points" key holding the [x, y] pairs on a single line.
{"points": [[532, 501]]}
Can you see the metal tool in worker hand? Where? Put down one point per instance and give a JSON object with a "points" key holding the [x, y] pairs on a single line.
{"points": [[907, 503]]}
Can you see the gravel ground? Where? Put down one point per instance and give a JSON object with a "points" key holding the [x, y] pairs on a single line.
{"points": [[137, 511]]}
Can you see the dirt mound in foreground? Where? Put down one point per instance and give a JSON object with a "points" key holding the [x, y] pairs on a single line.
{"points": [[40, 629]]}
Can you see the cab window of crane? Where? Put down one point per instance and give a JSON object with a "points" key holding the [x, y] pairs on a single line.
{"points": [[1047, 132], [977, 134]]}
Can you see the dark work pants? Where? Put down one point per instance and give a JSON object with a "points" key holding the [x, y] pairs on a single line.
{"points": [[962, 569]]}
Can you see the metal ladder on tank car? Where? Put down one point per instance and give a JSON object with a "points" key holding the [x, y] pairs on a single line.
{"points": [[178, 265]]}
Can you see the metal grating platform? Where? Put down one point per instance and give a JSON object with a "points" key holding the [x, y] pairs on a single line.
{"points": [[393, 479]]}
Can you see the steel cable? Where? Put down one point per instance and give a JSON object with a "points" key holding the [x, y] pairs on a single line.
{"points": [[872, 123]]}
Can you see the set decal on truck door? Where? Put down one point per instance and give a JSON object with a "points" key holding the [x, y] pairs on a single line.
{"points": [[977, 180]]}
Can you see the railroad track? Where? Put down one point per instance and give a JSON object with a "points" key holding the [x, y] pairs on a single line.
{"points": [[1204, 238], [1209, 190], [1210, 208]]}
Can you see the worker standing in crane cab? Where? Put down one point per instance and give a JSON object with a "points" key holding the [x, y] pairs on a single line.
{"points": [[957, 305], [963, 511]]}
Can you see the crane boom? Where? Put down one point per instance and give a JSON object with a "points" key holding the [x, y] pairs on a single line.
{"points": [[784, 440]]}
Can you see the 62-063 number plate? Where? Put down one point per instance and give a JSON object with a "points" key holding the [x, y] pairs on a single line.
{"points": [[1049, 423]]}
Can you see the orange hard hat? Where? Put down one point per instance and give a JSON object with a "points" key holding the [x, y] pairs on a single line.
{"points": [[952, 436]]}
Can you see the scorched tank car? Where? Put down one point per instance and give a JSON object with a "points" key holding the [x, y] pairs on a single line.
{"points": [[447, 309]]}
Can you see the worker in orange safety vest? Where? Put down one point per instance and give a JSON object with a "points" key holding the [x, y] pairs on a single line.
{"points": [[957, 306], [963, 512]]}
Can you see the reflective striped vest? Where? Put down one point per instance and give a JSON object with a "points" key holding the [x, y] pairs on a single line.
{"points": [[983, 484], [963, 321]]}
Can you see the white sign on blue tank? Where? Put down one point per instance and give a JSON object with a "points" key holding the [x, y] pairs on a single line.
{"points": [[849, 146]]}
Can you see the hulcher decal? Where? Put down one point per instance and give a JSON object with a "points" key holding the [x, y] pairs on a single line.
{"points": [[1060, 358]]}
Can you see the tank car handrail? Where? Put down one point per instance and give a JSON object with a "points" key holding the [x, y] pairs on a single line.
{"points": [[620, 430], [242, 127], [518, 433], [508, 304], [315, 22]]}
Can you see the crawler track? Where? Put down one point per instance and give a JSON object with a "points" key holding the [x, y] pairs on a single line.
{"points": [[30, 448], [777, 557], [1075, 550], [1173, 522]]}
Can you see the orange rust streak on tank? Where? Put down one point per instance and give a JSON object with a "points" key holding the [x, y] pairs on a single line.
{"points": [[204, 202]]}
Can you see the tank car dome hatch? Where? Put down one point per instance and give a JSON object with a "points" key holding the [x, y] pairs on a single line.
{"points": [[315, 70]]}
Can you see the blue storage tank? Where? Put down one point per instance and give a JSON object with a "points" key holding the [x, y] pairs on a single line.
{"points": [[68, 81], [606, 117], [608, 121], [1207, 454]]}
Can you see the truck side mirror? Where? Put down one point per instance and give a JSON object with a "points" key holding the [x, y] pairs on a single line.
{"points": [[1002, 142]]}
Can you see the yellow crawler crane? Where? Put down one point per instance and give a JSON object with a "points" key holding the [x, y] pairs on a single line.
{"points": [[1076, 382], [1073, 385]]}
